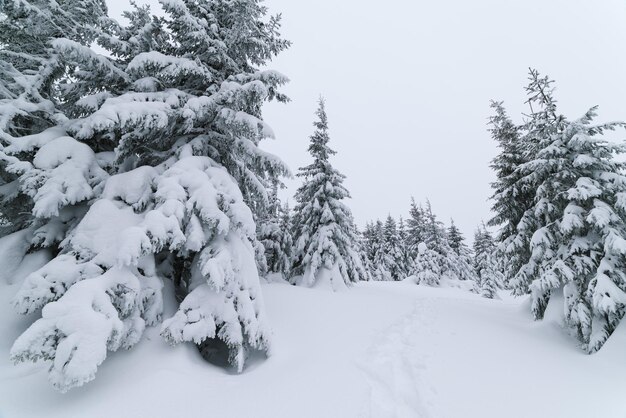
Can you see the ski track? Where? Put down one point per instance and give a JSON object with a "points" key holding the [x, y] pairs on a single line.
{"points": [[396, 370]]}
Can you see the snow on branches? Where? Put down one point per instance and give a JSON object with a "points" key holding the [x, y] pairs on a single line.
{"points": [[193, 210]]}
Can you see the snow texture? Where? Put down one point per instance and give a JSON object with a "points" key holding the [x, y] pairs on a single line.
{"points": [[393, 349]]}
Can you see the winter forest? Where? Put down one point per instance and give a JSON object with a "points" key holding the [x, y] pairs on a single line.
{"points": [[160, 259]]}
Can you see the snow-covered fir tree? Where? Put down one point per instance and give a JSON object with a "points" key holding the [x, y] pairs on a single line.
{"points": [[370, 243], [434, 233], [461, 255], [575, 231], [407, 256], [542, 123], [285, 262], [454, 257], [392, 247], [382, 260], [456, 240], [511, 196], [163, 146], [274, 233], [373, 239], [427, 267], [416, 224], [487, 277], [435, 237], [362, 248], [30, 101], [325, 233]]}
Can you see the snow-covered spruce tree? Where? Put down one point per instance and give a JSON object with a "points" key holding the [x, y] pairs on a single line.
{"points": [[427, 269], [511, 196], [580, 242], [407, 257], [576, 227], [392, 247], [324, 230], [542, 124], [423, 226], [436, 239], [368, 237], [434, 233], [487, 277], [416, 225], [461, 254], [373, 238], [179, 129], [286, 224], [30, 70], [274, 232], [363, 250], [381, 261], [456, 240]]}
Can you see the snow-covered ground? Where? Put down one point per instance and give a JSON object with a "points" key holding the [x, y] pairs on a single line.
{"points": [[376, 350]]}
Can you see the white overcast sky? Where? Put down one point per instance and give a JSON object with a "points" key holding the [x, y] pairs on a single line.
{"points": [[408, 84]]}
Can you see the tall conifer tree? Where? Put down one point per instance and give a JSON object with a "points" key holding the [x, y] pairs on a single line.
{"points": [[573, 237], [488, 277], [416, 225], [325, 232], [382, 260], [392, 247], [461, 254], [156, 176], [274, 232]]}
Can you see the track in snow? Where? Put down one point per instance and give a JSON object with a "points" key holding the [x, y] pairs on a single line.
{"points": [[396, 368]]}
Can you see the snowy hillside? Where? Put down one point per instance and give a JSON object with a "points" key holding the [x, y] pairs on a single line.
{"points": [[381, 349]]}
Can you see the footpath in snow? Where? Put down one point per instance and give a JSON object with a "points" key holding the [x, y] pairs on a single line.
{"points": [[376, 350]]}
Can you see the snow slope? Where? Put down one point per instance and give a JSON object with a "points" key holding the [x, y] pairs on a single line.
{"points": [[377, 350]]}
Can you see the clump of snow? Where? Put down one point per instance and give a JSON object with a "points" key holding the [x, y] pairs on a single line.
{"points": [[325, 278], [63, 171], [167, 66], [134, 188], [13, 249], [51, 281], [74, 333]]}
